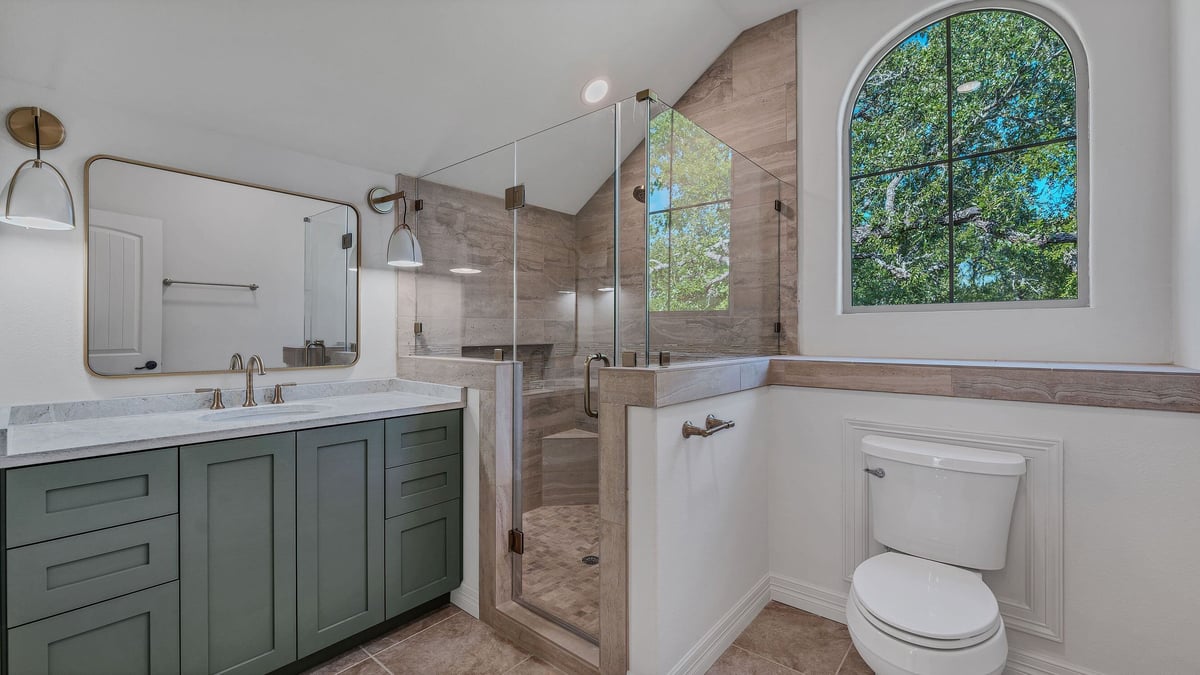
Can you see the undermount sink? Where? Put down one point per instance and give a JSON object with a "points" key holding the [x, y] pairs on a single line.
{"points": [[259, 412]]}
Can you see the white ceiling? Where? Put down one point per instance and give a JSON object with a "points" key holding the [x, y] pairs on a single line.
{"points": [[393, 85]]}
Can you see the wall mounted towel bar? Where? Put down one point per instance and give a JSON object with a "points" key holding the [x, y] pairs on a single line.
{"points": [[171, 282], [711, 426]]}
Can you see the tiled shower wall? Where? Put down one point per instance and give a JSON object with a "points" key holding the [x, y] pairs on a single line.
{"points": [[746, 98]]}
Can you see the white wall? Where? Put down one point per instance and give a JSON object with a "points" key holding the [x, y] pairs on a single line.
{"points": [[466, 595], [1185, 113], [41, 273], [1130, 315], [1131, 516], [697, 526]]}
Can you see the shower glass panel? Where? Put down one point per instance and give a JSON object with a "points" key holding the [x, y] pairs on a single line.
{"points": [[564, 312], [463, 295], [712, 244], [330, 269]]}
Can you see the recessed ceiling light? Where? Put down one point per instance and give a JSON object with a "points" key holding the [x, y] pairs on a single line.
{"points": [[595, 91], [968, 87], [464, 270], [606, 289], [567, 292]]}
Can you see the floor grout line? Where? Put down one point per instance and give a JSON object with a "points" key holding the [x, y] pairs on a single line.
{"points": [[770, 660], [390, 647], [518, 665], [844, 657], [380, 664]]}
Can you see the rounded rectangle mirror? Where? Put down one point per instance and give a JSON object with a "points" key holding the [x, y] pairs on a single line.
{"points": [[186, 270]]}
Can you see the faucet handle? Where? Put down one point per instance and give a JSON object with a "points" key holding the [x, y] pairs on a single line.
{"points": [[278, 396], [217, 403]]}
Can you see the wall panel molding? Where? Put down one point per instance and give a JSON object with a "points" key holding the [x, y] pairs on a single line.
{"points": [[1030, 587]]}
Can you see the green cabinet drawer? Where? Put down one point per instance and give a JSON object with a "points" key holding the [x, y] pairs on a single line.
{"points": [[136, 634], [423, 554], [57, 500], [416, 486], [56, 576], [420, 437], [339, 533]]}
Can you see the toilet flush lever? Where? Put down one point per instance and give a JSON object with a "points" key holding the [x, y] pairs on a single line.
{"points": [[878, 473]]}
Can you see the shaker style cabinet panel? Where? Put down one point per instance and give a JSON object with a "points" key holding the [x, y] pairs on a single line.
{"points": [[55, 576], [424, 555], [136, 634], [56, 500], [421, 437], [339, 533], [237, 544]]}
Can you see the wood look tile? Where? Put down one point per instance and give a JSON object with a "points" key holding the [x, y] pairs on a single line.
{"points": [[801, 641], [459, 645], [738, 661], [410, 629]]}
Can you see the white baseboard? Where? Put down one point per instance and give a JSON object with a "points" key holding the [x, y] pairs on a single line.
{"points": [[832, 606], [705, 653], [467, 599]]}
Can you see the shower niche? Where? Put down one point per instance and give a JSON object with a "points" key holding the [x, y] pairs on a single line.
{"points": [[639, 233]]}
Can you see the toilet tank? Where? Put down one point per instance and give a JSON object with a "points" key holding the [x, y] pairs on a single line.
{"points": [[948, 503]]}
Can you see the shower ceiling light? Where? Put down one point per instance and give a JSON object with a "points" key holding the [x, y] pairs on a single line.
{"points": [[465, 270], [968, 87], [606, 289], [37, 196], [595, 91]]}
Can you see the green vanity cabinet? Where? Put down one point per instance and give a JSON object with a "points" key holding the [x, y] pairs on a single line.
{"points": [[339, 533], [237, 557], [237, 562], [135, 634]]}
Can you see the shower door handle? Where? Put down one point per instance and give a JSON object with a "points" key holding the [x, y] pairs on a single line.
{"points": [[587, 383]]}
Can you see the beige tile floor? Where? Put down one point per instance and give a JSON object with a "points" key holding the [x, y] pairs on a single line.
{"points": [[784, 641], [448, 641]]}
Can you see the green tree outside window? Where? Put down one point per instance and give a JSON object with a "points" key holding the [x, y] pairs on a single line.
{"points": [[963, 166]]}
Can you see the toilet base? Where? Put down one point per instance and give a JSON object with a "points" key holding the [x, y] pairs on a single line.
{"points": [[888, 656]]}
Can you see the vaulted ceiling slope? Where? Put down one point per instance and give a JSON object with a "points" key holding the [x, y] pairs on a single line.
{"points": [[401, 86]]}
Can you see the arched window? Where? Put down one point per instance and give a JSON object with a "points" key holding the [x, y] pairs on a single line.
{"points": [[965, 141]]}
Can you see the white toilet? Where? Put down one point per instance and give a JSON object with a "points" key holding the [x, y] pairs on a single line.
{"points": [[944, 512]]}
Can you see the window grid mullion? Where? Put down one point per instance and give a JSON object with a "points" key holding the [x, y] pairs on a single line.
{"points": [[950, 156]]}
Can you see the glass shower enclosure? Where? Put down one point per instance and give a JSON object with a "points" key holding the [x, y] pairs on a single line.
{"points": [[611, 238]]}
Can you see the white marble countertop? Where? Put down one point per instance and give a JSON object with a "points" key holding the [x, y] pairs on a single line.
{"points": [[41, 442]]}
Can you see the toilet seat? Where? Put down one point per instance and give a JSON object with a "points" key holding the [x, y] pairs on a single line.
{"points": [[925, 603]]}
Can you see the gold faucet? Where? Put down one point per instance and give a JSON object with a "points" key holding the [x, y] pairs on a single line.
{"points": [[235, 362], [249, 402]]}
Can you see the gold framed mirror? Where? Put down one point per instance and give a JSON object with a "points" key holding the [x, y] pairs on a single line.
{"points": [[184, 270]]}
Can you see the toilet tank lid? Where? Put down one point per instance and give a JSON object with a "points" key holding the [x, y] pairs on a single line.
{"points": [[944, 456]]}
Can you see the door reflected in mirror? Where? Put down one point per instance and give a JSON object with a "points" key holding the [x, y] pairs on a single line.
{"points": [[185, 270]]}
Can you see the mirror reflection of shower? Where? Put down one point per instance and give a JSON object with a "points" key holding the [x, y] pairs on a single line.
{"points": [[330, 280]]}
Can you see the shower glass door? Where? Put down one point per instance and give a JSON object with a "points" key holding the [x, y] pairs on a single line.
{"points": [[565, 308]]}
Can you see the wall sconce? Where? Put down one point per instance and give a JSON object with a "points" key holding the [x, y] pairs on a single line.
{"points": [[37, 196], [403, 248]]}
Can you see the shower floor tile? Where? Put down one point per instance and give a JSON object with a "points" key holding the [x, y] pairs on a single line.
{"points": [[554, 577]]}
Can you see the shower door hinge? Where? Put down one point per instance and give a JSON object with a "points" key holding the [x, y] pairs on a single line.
{"points": [[418, 205], [778, 206], [516, 541], [514, 198], [778, 327], [347, 241]]}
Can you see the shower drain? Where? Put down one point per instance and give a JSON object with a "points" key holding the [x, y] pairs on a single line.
{"points": [[591, 560]]}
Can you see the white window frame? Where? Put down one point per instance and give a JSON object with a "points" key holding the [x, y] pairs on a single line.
{"points": [[1082, 166]]}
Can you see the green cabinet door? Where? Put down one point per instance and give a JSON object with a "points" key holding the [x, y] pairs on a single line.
{"points": [[135, 634], [339, 533], [423, 555], [237, 562]]}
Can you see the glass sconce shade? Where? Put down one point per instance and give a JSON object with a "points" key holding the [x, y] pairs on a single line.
{"points": [[37, 196], [403, 248]]}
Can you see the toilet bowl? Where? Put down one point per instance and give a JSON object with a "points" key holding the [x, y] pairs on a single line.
{"points": [[943, 511], [911, 616]]}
